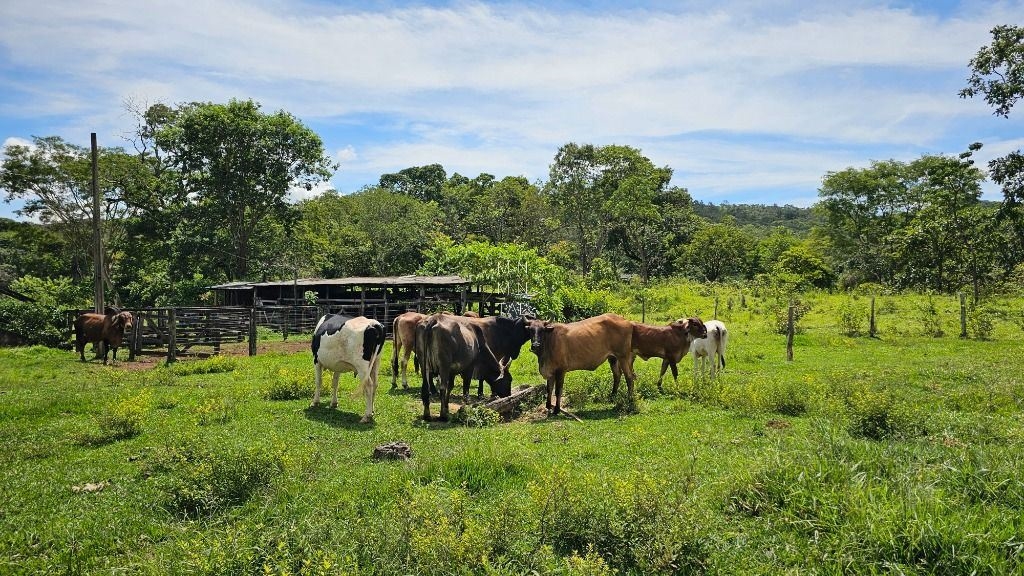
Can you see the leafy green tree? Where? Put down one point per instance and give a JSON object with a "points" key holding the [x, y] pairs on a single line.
{"points": [[33, 249], [424, 183], [718, 250], [54, 179], [997, 73], [236, 166], [582, 181], [511, 210], [374, 232]]}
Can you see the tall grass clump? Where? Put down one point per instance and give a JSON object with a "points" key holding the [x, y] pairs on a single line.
{"points": [[211, 365], [196, 480], [876, 415], [286, 384], [637, 524], [119, 421]]}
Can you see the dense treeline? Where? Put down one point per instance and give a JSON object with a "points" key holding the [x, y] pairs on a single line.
{"points": [[202, 197]]}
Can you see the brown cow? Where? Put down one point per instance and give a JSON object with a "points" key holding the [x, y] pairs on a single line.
{"points": [[404, 333], [670, 343], [106, 329], [582, 345]]}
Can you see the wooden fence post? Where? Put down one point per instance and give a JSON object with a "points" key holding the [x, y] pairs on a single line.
{"points": [[172, 337], [252, 331], [789, 336], [716, 308], [872, 328], [963, 315], [284, 322], [133, 346]]}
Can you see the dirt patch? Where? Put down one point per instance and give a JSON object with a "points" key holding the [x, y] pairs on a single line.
{"points": [[149, 359]]}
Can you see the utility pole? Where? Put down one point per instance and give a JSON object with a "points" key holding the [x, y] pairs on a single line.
{"points": [[97, 238]]}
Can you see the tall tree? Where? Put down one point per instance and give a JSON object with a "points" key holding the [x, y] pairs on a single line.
{"points": [[997, 73], [424, 183], [54, 178], [719, 250], [236, 166], [583, 179]]}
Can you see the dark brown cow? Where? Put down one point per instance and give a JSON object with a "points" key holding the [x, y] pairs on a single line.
{"points": [[106, 329], [449, 347], [505, 337], [670, 343], [582, 345], [404, 335]]}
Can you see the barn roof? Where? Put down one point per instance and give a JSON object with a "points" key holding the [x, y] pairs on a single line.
{"points": [[408, 280]]}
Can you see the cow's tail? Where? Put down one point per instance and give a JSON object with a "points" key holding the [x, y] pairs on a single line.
{"points": [[377, 331], [394, 349], [722, 335]]}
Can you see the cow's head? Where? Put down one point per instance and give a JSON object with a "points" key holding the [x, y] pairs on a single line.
{"points": [[502, 385], [694, 327], [123, 321], [539, 333]]}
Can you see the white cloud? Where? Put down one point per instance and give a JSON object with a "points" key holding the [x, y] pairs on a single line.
{"points": [[298, 193], [498, 87]]}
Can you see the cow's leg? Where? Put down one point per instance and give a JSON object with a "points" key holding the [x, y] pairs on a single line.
{"points": [[445, 382], [550, 388], [396, 351], [334, 388], [466, 381], [104, 350], [80, 347], [664, 367], [369, 391], [425, 395], [480, 388], [559, 381], [713, 360], [319, 373], [616, 375], [405, 366]]}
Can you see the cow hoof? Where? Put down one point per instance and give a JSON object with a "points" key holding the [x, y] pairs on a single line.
{"points": [[366, 420], [314, 404], [334, 405]]}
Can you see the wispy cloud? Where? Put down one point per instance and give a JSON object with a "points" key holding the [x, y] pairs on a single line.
{"points": [[497, 88]]}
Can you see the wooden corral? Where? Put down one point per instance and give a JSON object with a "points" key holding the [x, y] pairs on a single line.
{"points": [[283, 306]]}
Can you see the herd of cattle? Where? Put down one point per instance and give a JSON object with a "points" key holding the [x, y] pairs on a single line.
{"points": [[447, 346]]}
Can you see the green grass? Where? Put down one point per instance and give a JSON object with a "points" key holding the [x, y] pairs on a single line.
{"points": [[899, 454]]}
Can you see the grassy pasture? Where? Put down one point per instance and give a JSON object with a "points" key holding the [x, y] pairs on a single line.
{"points": [[900, 454]]}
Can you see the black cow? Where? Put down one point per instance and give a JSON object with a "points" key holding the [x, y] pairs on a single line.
{"points": [[454, 347]]}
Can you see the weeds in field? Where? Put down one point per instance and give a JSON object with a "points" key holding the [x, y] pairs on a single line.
{"points": [[197, 480], [286, 384], [211, 365], [215, 410], [118, 421]]}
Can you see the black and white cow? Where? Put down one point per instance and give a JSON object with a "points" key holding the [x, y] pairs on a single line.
{"points": [[451, 346], [346, 344]]}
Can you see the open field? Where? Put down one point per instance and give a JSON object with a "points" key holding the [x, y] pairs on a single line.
{"points": [[901, 454]]}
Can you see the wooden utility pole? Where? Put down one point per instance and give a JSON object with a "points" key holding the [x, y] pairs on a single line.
{"points": [[963, 315], [789, 335], [872, 328], [97, 238]]}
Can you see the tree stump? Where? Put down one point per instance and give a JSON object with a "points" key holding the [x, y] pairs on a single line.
{"points": [[392, 451]]}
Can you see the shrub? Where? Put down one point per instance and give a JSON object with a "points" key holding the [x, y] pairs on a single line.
{"points": [[779, 315], [196, 480], [118, 421], [981, 321], [851, 318], [211, 365], [579, 302], [636, 524], [286, 384], [790, 398], [477, 416], [875, 415], [25, 323], [216, 410], [927, 316]]}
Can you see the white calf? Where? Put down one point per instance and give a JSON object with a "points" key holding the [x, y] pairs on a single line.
{"points": [[346, 344], [711, 348]]}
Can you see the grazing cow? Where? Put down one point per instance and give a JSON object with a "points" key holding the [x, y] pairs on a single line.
{"points": [[450, 346], [346, 344], [670, 343], [505, 337], [105, 329], [711, 347], [582, 345]]}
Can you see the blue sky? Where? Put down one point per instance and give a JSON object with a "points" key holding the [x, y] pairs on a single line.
{"points": [[746, 101]]}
